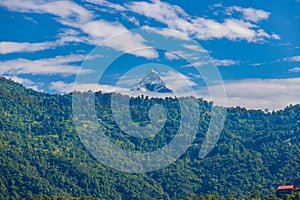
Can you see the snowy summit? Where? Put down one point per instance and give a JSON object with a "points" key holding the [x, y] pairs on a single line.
{"points": [[153, 83]]}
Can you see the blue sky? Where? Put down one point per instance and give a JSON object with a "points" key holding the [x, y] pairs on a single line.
{"points": [[254, 44]]}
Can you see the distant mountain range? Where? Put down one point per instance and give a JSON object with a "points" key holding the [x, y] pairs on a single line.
{"points": [[152, 83]]}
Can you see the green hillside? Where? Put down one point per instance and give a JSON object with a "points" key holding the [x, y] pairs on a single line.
{"points": [[41, 153]]}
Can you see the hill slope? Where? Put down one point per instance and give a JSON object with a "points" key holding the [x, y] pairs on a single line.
{"points": [[41, 152]]}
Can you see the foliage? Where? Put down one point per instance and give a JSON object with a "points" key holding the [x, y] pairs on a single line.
{"points": [[42, 156]]}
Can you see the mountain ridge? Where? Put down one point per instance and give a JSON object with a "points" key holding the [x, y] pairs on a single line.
{"points": [[41, 152]]}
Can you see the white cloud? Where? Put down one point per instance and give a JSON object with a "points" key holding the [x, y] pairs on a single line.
{"points": [[96, 31], [26, 82], [102, 29], [273, 94], [275, 36], [225, 62], [48, 66], [30, 19], [113, 35], [177, 82], [167, 32], [75, 16], [63, 87], [250, 14], [196, 48], [295, 69], [119, 38], [157, 10], [176, 18], [16, 47], [292, 59], [68, 35], [217, 62], [257, 64], [196, 64], [108, 4], [172, 56], [188, 55], [133, 20], [62, 9], [231, 29]]}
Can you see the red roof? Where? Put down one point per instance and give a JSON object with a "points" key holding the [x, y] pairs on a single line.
{"points": [[286, 187]]}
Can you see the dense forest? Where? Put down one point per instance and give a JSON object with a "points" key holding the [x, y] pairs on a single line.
{"points": [[42, 156]]}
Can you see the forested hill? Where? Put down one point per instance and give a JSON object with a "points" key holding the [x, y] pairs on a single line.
{"points": [[41, 153]]}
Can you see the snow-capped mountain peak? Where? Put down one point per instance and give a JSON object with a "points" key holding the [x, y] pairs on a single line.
{"points": [[153, 83]]}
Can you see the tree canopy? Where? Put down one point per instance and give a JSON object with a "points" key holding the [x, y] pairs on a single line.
{"points": [[42, 155]]}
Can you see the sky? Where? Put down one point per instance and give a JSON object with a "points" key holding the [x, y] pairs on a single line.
{"points": [[253, 45]]}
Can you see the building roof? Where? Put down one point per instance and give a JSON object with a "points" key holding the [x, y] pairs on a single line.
{"points": [[286, 187]]}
